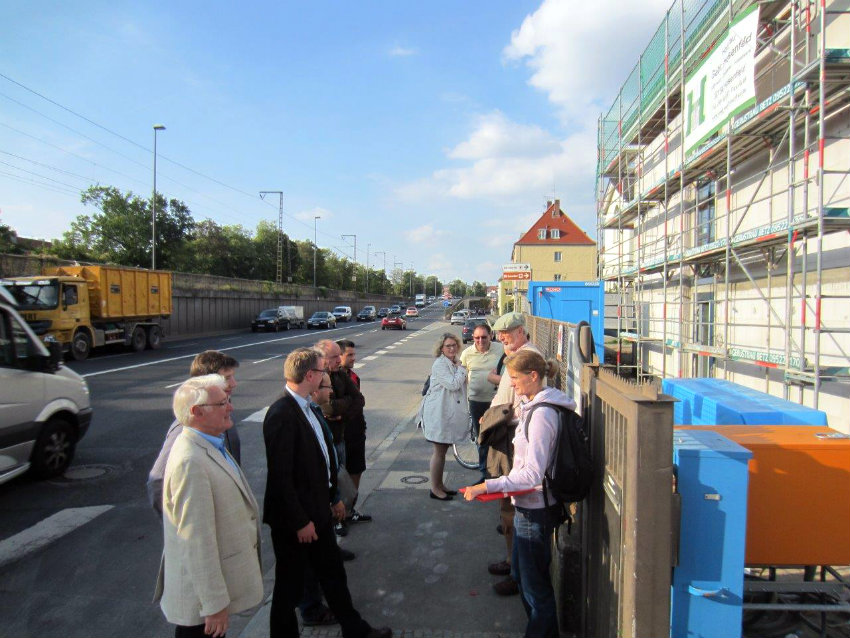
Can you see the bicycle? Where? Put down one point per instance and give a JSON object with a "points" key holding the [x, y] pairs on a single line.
{"points": [[466, 452]]}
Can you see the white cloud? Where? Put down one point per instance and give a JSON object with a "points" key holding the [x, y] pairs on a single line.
{"points": [[496, 136], [399, 51], [581, 58], [426, 234], [318, 211]]}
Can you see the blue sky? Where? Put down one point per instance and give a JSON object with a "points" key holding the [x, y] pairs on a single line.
{"points": [[434, 131]]}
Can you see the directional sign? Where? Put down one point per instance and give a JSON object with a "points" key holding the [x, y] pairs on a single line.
{"points": [[516, 276]]}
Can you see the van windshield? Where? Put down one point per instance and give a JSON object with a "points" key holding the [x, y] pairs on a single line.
{"points": [[35, 294]]}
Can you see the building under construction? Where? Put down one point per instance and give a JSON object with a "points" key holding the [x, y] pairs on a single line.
{"points": [[723, 200]]}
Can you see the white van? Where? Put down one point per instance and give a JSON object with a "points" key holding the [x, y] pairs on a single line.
{"points": [[44, 407]]}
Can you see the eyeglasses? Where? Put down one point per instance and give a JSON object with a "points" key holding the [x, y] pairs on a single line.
{"points": [[215, 405], [317, 370], [325, 387], [450, 345], [481, 338]]}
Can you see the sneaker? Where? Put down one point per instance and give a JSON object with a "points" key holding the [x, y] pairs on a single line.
{"points": [[507, 587], [346, 555], [502, 568], [357, 517], [341, 529]]}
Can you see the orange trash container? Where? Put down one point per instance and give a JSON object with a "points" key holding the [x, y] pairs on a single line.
{"points": [[798, 510]]}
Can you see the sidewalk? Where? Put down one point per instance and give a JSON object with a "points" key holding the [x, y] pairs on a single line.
{"points": [[421, 565]]}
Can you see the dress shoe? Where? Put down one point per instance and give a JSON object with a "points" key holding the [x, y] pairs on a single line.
{"points": [[357, 517], [450, 492], [507, 587], [502, 568], [500, 529], [447, 497], [346, 554], [379, 632], [341, 529]]}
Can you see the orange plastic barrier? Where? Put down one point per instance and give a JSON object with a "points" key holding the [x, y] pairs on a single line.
{"points": [[798, 510]]}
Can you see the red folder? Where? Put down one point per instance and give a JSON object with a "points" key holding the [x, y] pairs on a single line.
{"points": [[496, 496]]}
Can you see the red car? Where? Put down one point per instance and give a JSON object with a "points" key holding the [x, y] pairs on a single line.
{"points": [[393, 321]]}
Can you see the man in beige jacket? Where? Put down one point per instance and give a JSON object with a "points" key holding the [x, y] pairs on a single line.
{"points": [[211, 563]]}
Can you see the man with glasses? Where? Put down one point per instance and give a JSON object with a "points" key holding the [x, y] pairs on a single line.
{"points": [[300, 505], [210, 566], [207, 362], [479, 360], [347, 423]]}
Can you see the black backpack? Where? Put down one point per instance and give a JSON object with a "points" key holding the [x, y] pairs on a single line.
{"points": [[570, 473]]}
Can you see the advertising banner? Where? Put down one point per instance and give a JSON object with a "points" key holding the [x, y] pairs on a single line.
{"points": [[724, 84]]}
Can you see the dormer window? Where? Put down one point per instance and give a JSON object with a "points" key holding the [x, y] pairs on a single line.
{"points": [[555, 233], [541, 234]]}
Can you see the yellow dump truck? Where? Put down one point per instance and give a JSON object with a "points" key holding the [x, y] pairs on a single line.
{"points": [[85, 307]]}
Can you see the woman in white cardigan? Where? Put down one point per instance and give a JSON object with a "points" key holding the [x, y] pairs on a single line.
{"points": [[445, 411]]}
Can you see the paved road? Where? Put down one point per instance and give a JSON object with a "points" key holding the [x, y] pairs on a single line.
{"points": [[78, 555]]}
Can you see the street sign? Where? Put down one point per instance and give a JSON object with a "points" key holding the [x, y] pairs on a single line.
{"points": [[516, 276]]}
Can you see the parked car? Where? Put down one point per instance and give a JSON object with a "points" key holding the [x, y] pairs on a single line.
{"points": [[321, 319], [46, 406], [342, 313], [393, 321], [383, 312], [294, 316], [268, 319], [367, 314], [469, 327], [411, 313], [458, 317]]}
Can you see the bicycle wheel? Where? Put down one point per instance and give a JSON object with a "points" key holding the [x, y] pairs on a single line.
{"points": [[466, 452]]}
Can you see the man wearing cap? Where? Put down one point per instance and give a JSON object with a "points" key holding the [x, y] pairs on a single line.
{"points": [[510, 331], [479, 360]]}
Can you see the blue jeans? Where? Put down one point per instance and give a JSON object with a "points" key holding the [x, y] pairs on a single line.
{"points": [[476, 411], [530, 558]]}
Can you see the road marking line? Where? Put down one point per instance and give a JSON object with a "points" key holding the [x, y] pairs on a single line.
{"points": [[381, 352], [389, 347], [45, 532], [257, 417], [173, 385], [370, 358], [187, 356], [277, 356]]}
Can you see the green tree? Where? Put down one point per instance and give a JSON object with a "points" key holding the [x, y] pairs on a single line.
{"points": [[479, 289], [457, 288], [265, 250], [9, 240], [120, 232]]}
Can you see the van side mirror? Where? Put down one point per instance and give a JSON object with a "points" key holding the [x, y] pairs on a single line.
{"points": [[54, 360]]}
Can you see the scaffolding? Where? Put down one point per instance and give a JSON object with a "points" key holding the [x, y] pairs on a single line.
{"points": [[733, 253]]}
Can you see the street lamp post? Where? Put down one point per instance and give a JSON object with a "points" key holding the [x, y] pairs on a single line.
{"points": [[315, 245], [156, 127], [355, 258], [412, 272], [384, 253], [368, 248]]}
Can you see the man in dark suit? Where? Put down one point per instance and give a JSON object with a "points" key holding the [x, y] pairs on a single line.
{"points": [[300, 487]]}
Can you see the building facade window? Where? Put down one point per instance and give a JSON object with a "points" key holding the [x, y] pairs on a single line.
{"points": [[705, 214], [541, 234], [556, 278], [557, 255], [555, 233]]}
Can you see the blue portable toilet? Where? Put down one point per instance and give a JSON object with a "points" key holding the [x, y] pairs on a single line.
{"points": [[708, 583], [572, 302]]}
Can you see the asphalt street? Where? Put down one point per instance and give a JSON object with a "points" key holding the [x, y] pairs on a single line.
{"points": [[79, 554]]}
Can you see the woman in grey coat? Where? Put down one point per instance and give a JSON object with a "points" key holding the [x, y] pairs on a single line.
{"points": [[445, 411]]}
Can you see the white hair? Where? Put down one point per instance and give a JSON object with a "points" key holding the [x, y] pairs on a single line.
{"points": [[195, 391]]}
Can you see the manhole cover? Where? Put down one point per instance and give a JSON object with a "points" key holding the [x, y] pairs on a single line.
{"points": [[414, 479], [86, 472]]}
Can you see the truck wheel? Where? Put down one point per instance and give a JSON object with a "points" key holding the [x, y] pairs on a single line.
{"points": [[154, 338], [54, 449], [138, 340], [80, 345]]}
